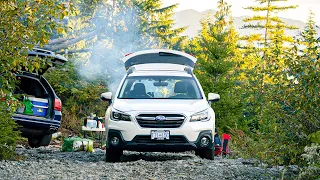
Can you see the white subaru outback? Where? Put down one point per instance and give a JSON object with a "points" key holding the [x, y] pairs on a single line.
{"points": [[159, 107]]}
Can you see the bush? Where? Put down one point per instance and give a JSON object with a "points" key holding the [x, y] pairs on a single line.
{"points": [[312, 158], [8, 133], [79, 96]]}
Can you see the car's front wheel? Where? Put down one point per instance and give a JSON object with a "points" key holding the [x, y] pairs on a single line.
{"points": [[113, 155], [206, 153]]}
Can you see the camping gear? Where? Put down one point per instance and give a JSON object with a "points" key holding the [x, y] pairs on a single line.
{"points": [[224, 148], [28, 107], [77, 144], [20, 109], [91, 123], [40, 106], [217, 141]]}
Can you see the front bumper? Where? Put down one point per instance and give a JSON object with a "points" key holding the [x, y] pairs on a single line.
{"points": [[143, 143]]}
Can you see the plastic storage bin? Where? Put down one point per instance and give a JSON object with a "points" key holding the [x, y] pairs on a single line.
{"points": [[40, 106], [91, 123]]}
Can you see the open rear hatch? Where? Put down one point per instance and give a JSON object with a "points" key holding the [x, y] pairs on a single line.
{"points": [[53, 59], [33, 90], [36, 99], [159, 56]]}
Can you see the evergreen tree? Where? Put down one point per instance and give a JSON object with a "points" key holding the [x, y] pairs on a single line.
{"points": [[302, 89], [215, 49], [264, 111], [267, 48]]}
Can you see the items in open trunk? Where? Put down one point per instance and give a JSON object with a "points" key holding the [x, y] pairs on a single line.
{"points": [[40, 106], [34, 106]]}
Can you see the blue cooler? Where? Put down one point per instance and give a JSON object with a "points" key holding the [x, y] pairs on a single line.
{"points": [[40, 106]]}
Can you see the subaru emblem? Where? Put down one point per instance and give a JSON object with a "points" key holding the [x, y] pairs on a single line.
{"points": [[160, 118]]}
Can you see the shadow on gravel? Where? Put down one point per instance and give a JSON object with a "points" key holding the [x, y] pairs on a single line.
{"points": [[37, 154], [135, 156]]}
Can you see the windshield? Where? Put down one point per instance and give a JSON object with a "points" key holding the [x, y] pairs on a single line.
{"points": [[159, 87]]}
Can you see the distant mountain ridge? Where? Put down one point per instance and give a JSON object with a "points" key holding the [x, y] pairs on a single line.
{"points": [[191, 18]]}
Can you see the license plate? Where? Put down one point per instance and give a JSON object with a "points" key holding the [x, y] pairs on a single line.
{"points": [[160, 135]]}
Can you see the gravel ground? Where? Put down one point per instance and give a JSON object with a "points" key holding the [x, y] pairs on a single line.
{"points": [[50, 163]]}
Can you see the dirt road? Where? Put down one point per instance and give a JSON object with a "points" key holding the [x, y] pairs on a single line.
{"points": [[51, 163]]}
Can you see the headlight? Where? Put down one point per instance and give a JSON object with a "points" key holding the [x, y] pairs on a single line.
{"points": [[119, 116], [200, 116]]}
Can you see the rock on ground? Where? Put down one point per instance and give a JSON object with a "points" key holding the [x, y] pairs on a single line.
{"points": [[51, 163]]}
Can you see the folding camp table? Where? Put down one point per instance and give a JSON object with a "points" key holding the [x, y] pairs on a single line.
{"points": [[100, 130]]}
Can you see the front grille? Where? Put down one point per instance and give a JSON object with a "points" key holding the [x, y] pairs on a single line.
{"points": [[170, 121], [144, 139]]}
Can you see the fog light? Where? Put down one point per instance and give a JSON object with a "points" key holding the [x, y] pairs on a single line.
{"points": [[204, 141], [114, 141]]}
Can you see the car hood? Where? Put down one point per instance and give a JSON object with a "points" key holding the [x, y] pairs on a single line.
{"points": [[160, 105]]}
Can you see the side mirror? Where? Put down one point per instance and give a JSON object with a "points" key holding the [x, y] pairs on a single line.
{"points": [[213, 97], [107, 96]]}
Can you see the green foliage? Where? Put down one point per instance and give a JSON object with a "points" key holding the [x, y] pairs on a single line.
{"points": [[314, 137], [23, 25], [215, 49], [273, 136], [300, 92], [79, 96], [126, 26], [8, 135], [312, 158]]}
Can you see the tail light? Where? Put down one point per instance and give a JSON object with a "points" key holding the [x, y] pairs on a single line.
{"points": [[57, 105]]}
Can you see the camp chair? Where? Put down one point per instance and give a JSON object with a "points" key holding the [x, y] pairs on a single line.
{"points": [[222, 150]]}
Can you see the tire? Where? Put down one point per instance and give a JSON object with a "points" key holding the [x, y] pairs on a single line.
{"points": [[33, 142], [113, 155], [45, 140], [206, 153], [37, 141]]}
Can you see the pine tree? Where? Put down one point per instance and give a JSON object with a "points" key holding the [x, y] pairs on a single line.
{"points": [[147, 24], [267, 48], [309, 38], [215, 49], [302, 90]]}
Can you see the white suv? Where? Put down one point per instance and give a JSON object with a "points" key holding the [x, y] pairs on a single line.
{"points": [[159, 107]]}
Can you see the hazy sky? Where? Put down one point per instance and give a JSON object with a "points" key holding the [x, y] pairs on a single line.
{"points": [[301, 13]]}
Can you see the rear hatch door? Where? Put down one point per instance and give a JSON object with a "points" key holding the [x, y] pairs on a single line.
{"points": [[159, 56], [53, 59]]}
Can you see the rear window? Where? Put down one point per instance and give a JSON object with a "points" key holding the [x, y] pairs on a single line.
{"points": [[159, 87]]}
